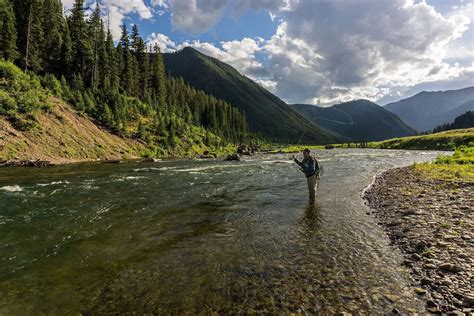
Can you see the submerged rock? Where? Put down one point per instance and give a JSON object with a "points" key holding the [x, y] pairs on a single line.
{"points": [[233, 157], [244, 150], [151, 160]]}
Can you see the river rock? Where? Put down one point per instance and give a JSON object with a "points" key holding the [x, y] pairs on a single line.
{"points": [[420, 291], [151, 160], [233, 157], [469, 300], [448, 267], [244, 150], [426, 281], [447, 282]]}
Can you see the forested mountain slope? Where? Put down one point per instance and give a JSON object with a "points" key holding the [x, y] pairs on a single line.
{"points": [[266, 114], [359, 120]]}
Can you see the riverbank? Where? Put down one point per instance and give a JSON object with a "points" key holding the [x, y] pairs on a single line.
{"points": [[432, 221], [63, 136]]}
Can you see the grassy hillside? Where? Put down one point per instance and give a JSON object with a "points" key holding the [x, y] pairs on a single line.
{"points": [[34, 124], [448, 140], [61, 136], [266, 114], [426, 110], [359, 120]]}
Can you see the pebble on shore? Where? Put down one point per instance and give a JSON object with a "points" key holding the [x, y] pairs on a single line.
{"points": [[432, 222]]}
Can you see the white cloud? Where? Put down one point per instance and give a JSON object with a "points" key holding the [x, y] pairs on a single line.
{"points": [[198, 16], [329, 51], [239, 54], [160, 3], [117, 10]]}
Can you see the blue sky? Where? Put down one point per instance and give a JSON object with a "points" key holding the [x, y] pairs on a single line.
{"points": [[318, 51]]}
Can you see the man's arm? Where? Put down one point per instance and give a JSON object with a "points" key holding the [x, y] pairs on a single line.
{"points": [[299, 163]]}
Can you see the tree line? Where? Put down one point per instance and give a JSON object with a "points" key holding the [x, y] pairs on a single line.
{"points": [[465, 120], [123, 84]]}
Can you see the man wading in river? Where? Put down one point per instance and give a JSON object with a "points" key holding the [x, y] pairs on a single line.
{"points": [[310, 168]]}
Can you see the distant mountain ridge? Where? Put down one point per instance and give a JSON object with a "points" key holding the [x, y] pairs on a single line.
{"points": [[266, 114], [359, 120], [426, 110]]}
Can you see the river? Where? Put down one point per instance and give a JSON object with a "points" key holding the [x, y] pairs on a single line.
{"points": [[199, 236]]}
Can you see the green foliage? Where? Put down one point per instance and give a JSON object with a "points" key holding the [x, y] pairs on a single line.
{"points": [[124, 87], [8, 106], [266, 113], [50, 82], [8, 33], [457, 167], [21, 96], [462, 156]]}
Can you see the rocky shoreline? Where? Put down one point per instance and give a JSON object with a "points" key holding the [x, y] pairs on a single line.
{"points": [[432, 222], [26, 163]]}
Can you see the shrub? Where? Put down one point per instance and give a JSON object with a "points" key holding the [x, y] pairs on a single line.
{"points": [[54, 85], [21, 96], [8, 106]]}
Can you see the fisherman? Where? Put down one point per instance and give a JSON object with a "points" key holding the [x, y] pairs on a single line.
{"points": [[310, 168]]}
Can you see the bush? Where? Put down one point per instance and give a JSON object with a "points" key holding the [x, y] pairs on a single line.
{"points": [[21, 96], [8, 106], [54, 85], [13, 79]]}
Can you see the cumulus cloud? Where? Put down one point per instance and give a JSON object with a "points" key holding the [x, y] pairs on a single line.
{"points": [[241, 54], [330, 51], [115, 11], [198, 16]]}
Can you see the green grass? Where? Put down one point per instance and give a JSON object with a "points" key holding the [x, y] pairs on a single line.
{"points": [[458, 167], [448, 140], [21, 96]]}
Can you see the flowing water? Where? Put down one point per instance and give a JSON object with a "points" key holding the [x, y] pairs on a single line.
{"points": [[199, 236]]}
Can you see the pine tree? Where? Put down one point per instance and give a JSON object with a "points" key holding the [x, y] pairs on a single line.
{"points": [[8, 33], [139, 50], [111, 67], [65, 59], [97, 38], [127, 64], [82, 54], [54, 32], [158, 82], [30, 37]]}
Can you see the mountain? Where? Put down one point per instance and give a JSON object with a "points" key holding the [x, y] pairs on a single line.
{"points": [[266, 114], [426, 110], [359, 120]]}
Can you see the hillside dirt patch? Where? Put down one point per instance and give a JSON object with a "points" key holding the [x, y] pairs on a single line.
{"points": [[64, 136]]}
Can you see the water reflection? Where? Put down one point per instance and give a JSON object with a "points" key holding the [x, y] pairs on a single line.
{"points": [[312, 219]]}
